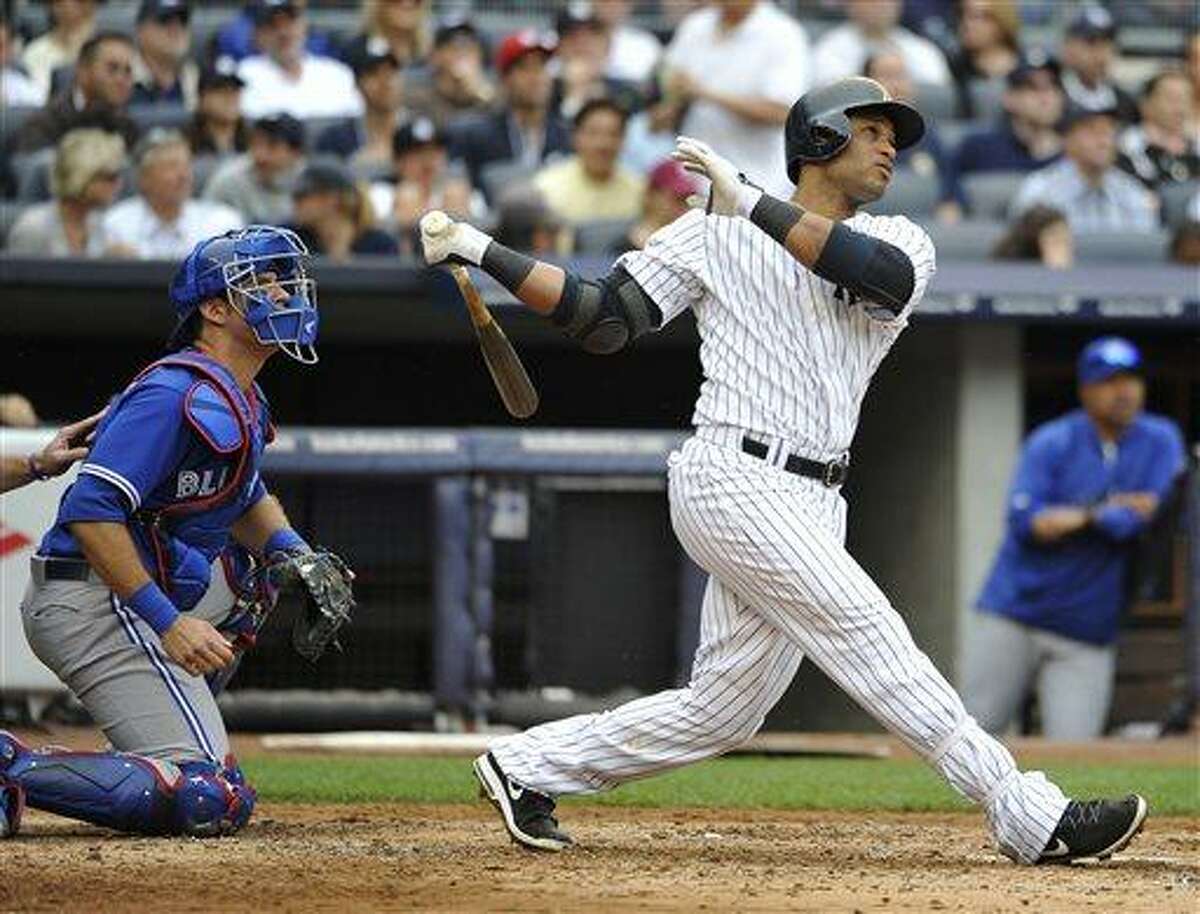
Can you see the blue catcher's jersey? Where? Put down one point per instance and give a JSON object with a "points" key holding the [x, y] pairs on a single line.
{"points": [[176, 458]]}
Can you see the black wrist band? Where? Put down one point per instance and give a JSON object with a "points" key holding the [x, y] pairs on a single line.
{"points": [[506, 266], [775, 217]]}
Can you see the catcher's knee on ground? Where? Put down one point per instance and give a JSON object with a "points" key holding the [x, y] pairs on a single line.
{"points": [[131, 793]]}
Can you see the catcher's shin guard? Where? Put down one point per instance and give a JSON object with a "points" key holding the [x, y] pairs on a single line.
{"points": [[128, 793]]}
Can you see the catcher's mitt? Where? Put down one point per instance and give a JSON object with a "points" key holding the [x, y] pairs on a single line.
{"points": [[322, 581]]}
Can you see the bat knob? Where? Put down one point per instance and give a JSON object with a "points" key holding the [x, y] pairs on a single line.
{"points": [[435, 223]]}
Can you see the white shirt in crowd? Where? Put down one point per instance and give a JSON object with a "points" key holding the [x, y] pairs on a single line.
{"points": [[325, 88], [1116, 203], [844, 51], [632, 54], [132, 224], [765, 56], [18, 90]]}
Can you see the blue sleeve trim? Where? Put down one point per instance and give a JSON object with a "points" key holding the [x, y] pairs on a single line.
{"points": [[115, 479]]}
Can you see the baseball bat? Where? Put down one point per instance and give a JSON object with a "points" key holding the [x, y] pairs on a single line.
{"points": [[508, 374]]}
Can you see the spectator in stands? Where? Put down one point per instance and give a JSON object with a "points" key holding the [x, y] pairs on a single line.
{"points": [[1040, 233], [1185, 244], [1086, 485], [235, 40], [1086, 184], [163, 74], [1089, 51], [874, 24], [333, 216], [163, 221], [16, 411], [665, 199], [286, 76], [1027, 137], [524, 131], [85, 180], [421, 181], [399, 26], [99, 96], [73, 22], [590, 185], [929, 157], [368, 139], [988, 46], [732, 71], [218, 128], [526, 223], [581, 63], [17, 88], [458, 85], [1161, 149], [633, 52], [259, 183]]}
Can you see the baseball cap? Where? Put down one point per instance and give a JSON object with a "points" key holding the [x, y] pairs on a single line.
{"points": [[1077, 114], [518, 44], [261, 11], [319, 177], [1091, 23], [672, 177], [576, 15], [449, 29], [420, 131], [282, 127], [1107, 356], [370, 56], [1035, 60], [163, 10], [222, 74]]}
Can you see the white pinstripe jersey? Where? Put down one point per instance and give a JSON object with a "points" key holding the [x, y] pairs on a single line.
{"points": [[785, 353]]}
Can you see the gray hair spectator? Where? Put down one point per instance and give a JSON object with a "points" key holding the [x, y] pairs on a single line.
{"points": [[873, 25], [286, 76], [73, 22], [163, 221], [163, 73], [401, 27], [1165, 146], [1089, 51], [988, 46], [258, 183], [99, 95], [85, 180], [732, 71], [633, 52], [17, 88], [590, 184], [368, 140], [333, 216], [217, 127], [1041, 233], [458, 84], [1086, 184]]}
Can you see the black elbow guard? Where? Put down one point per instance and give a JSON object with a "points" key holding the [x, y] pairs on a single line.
{"points": [[870, 268], [605, 316]]}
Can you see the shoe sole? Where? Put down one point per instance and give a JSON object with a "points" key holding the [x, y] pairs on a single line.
{"points": [[492, 790], [1139, 819]]}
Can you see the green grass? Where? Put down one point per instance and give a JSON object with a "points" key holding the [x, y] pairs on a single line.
{"points": [[749, 782]]}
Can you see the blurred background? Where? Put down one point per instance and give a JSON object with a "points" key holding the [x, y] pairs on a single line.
{"points": [[511, 574]]}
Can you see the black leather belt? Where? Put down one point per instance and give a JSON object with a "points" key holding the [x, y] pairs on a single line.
{"points": [[831, 474], [52, 569]]}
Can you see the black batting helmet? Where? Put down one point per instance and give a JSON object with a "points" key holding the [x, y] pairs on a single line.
{"points": [[818, 126]]}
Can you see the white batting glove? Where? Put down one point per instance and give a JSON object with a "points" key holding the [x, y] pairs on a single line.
{"points": [[444, 239], [729, 193]]}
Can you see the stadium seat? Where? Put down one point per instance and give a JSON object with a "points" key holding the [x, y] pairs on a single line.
{"points": [[32, 173], [12, 120], [936, 102], [990, 193], [9, 213], [971, 239], [1121, 247], [600, 236], [909, 194], [166, 117], [315, 126], [498, 177], [987, 98], [1176, 198], [203, 167], [953, 131]]}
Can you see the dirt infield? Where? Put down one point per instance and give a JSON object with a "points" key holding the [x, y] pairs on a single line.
{"points": [[455, 859]]}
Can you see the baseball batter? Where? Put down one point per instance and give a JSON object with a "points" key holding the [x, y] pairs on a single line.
{"points": [[796, 303], [141, 589]]}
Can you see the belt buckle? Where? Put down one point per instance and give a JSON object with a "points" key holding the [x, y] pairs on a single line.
{"points": [[834, 474]]}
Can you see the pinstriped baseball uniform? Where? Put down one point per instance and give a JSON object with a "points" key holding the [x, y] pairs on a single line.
{"points": [[787, 358]]}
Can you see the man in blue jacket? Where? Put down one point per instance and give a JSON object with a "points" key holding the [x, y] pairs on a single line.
{"points": [[1086, 486]]}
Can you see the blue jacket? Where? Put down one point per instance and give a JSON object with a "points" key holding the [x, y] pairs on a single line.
{"points": [[997, 149], [1075, 586]]}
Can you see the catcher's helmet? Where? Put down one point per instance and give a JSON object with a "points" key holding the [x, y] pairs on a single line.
{"points": [[818, 126]]}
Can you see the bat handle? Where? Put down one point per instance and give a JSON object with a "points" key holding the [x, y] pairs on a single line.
{"points": [[480, 315]]}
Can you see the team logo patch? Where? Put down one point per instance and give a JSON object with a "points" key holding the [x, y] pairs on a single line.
{"points": [[193, 484]]}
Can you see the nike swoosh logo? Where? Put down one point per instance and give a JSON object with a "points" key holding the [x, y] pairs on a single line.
{"points": [[514, 793], [1058, 849]]}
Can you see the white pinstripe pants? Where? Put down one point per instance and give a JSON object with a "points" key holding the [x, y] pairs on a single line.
{"points": [[782, 587]]}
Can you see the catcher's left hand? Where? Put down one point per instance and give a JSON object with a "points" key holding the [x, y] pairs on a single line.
{"points": [[729, 193], [322, 581]]}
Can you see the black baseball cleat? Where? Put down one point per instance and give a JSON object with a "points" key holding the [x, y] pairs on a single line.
{"points": [[528, 815], [1095, 828], [12, 803]]}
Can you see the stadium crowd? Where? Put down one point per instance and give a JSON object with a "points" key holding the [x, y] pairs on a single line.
{"points": [[134, 129]]}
